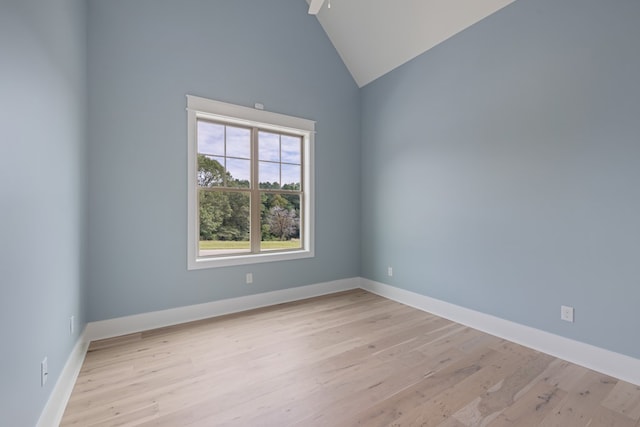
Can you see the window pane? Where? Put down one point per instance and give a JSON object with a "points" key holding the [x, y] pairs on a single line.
{"points": [[269, 175], [210, 171], [291, 177], [291, 149], [239, 173], [269, 146], [224, 222], [210, 138], [238, 142], [280, 221]]}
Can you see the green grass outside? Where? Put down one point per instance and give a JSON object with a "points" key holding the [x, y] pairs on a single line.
{"points": [[271, 244]]}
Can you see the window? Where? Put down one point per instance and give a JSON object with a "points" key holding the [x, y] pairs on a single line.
{"points": [[250, 185]]}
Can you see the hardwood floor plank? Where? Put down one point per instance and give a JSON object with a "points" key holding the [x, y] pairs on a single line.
{"points": [[582, 403], [530, 407], [489, 406], [625, 400], [422, 392], [346, 359], [454, 398], [609, 418]]}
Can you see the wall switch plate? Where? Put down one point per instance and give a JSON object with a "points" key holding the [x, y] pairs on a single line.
{"points": [[249, 278], [566, 313], [72, 326], [44, 372], [389, 271]]}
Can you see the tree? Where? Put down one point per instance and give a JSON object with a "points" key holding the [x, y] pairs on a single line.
{"points": [[237, 225], [283, 223], [279, 201], [225, 215], [210, 172], [214, 209], [214, 206]]}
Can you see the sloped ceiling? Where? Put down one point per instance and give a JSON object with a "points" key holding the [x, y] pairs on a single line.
{"points": [[374, 36]]}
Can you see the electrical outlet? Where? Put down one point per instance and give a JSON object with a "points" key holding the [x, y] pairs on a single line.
{"points": [[44, 372], [72, 326], [389, 271], [566, 313], [249, 278]]}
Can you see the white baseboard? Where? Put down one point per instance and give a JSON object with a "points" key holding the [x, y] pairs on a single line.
{"points": [[54, 409], [158, 319], [598, 359], [614, 364]]}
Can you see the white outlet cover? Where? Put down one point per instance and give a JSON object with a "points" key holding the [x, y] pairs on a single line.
{"points": [[566, 313]]}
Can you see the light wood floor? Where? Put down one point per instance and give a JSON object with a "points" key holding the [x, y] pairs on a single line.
{"points": [[346, 359]]}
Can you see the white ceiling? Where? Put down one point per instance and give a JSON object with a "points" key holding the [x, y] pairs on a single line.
{"points": [[374, 36]]}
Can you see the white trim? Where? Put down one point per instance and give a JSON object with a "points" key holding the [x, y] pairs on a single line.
{"points": [[617, 365], [54, 409], [207, 108], [246, 115], [158, 319], [598, 359], [228, 261]]}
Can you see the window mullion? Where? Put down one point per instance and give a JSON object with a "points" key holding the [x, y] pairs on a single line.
{"points": [[256, 227]]}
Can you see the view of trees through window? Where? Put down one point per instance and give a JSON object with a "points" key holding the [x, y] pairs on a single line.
{"points": [[248, 175]]}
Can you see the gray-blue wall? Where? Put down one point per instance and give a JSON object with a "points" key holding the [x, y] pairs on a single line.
{"points": [[42, 196], [144, 56], [501, 170]]}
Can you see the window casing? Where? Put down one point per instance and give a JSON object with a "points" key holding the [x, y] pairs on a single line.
{"points": [[250, 176]]}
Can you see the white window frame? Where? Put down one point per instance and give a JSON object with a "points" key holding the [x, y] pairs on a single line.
{"points": [[202, 108]]}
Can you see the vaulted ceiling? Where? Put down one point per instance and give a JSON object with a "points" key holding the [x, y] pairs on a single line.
{"points": [[373, 36]]}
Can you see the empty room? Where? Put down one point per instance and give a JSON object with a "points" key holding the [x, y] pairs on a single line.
{"points": [[320, 213]]}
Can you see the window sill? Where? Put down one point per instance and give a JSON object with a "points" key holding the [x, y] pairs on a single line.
{"points": [[229, 261]]}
